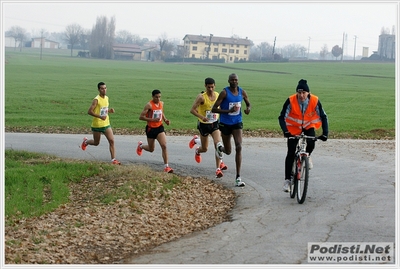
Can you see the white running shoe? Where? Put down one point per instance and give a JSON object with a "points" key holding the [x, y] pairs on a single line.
{"points": [[239, 182], [218, 152], [286, 185]]}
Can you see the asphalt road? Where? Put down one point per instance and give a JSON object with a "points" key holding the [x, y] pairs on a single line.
{"points": [[351, 197]]}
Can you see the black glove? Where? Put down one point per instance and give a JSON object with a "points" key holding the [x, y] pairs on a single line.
{"points": [[323, 137], [287, 134]]}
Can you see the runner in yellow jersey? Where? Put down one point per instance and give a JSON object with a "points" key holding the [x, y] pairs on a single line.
{"points": [[101, 121], [207, 124]]}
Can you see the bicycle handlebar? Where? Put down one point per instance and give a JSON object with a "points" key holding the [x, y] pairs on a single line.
{"points": [[304, 136]]}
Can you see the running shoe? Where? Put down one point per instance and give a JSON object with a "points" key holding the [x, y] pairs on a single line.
{"points": [[222, 166], [193, 142], [239, 182], [310, 164], [115, 161], [139, 149], [218, 151], [286, 185], [197, 156], [84, 144], [168, 169], [218, 173]]}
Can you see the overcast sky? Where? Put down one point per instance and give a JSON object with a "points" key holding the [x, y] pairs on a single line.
{"points": [[311, 24]]}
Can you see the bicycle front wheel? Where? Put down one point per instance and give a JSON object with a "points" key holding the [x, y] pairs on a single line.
{"points": [[302, 182], [293, 179]]}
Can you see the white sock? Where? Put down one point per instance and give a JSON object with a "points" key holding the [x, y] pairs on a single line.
{"points": [[197, 141], [166, 165]]}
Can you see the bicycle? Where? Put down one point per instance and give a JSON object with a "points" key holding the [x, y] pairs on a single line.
{"points": [[299, 178]]}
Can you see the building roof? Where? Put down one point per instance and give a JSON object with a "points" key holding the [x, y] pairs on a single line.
{"points": [[45, 39], [218, 39], [131, 48]]}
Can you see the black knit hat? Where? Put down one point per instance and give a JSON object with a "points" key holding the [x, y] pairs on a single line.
{"points": [[302, 86]]}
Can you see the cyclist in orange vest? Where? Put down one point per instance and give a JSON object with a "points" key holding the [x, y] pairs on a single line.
{"points": [[302, 112]]}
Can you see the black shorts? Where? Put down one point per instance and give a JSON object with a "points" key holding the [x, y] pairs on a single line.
{"points": [[153, 132], [207, 128], [227, 129]]}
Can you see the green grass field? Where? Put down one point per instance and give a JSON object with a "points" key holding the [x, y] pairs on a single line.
{"points": [[55, 92]]}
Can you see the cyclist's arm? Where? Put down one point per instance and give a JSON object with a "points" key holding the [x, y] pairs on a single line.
{"points": [[284, 112], [324, 118]]}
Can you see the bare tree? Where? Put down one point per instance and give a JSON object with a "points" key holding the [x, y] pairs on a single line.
{"points": [[324, 51], [84, 39], [170, 49], [73, 34], [102, 38], [162, 40], [293, 50], [266, 51], [124, 37], [19, 34]]}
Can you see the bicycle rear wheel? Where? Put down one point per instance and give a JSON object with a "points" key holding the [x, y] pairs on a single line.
{"points": [[302, 183]]}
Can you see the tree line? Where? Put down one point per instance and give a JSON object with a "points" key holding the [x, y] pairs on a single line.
{"points": [[100, 39]]}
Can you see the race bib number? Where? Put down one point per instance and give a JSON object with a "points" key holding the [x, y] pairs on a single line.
{"points": [[103, 111], [157, 114], [211, 117], [238, 105]]}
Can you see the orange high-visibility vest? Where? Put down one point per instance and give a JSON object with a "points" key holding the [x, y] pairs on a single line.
{"points": [[296, 121]]}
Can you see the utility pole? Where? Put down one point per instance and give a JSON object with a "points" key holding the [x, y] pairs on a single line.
{"points": [[273, 49], [41, 42], [209, 47], [342, 46], [355, 42], [308, 53]]}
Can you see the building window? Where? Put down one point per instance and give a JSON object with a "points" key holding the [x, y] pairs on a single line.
{"points": [[237, 46], [215, 49], [194, 42], [237, 51], [194, 48], [245, 52], [231, 51], [224, 50], [223, 44]]}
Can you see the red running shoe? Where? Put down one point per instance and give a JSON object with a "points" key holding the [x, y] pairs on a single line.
{"points": [[222, 166], [192, 142], [139, 150], [84, 145], [116, 162], [168, 169], [197, 156]]}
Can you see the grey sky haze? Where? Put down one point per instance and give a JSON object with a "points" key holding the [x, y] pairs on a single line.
{"points": [[310, 24]]}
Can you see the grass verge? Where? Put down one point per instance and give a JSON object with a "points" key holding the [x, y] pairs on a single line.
{"points": [[105, 213]]}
